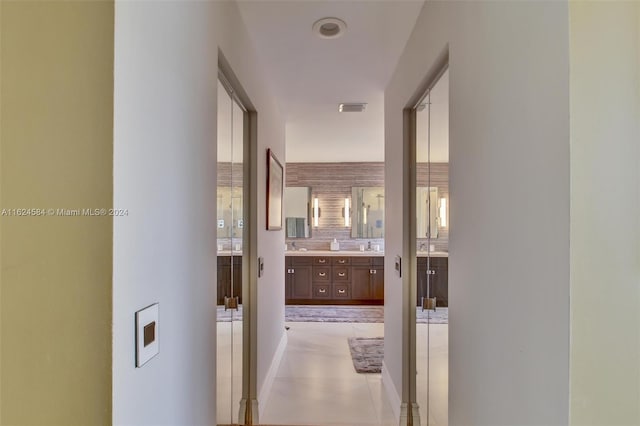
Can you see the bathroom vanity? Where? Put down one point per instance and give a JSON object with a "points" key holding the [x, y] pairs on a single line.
{"points": [[435, 269], [332, 278]]}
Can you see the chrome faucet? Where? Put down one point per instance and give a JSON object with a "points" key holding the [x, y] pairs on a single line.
{"points": [[369, 245], [423, 247], [293, 245]]}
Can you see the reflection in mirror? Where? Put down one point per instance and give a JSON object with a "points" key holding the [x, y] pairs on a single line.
{"points": [[230, 223], [368, 212], [297, 208], [427, 212], [230, 277], [432, 268]]}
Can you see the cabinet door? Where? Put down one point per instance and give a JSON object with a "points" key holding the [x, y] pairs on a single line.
{"points": [[237, 278], [301, 282], [361, 283], [440, 287], [377, 283], [287, 278], [224, 278], [422, 280]]}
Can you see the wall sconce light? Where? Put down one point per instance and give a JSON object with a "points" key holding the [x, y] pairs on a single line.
{"points": [[364, 214], [443, 212], [316, 212], [346, 212]]}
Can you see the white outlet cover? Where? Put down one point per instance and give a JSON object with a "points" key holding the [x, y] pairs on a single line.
{"points": [[220, 223], [147, 334]]}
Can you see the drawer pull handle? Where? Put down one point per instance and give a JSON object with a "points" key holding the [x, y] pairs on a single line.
{"points": [[322, 274], [372, 271], [291, 271], [322, 290], [341, 261], [342, 274], [431, 272], [322, 260], [342, 291]]}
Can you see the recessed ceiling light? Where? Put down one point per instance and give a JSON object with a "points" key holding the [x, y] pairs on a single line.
{"points": [[329, 27], [352, 107]]}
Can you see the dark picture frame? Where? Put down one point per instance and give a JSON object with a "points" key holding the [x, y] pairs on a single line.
{"points": [[275, 192]]}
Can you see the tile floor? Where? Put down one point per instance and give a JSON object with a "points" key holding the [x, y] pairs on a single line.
{"points": [[316, 383]]}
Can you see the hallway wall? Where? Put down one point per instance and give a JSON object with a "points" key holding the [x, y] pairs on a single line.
{"points": [[166, 65], [605, 212], [509, 258], [56, 150]]}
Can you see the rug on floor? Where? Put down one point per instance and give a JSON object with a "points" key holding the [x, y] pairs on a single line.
{"points": [[340, 313], [225, 316], [363, 314], [333, 313], [367, 353]]}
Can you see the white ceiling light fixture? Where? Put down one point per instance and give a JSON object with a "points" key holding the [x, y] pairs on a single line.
{"points": [[329, 27], [352, 107]]}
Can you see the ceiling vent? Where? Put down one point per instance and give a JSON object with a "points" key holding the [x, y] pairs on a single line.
{"points": [[352, 107], [329, 27]]}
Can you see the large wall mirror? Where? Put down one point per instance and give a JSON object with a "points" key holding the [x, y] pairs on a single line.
{"points": [[368, 212], [427, 212], [297, 211], [230, 222]]}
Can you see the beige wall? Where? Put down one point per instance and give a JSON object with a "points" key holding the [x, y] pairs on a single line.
{"points": [[56, 143], [605, 212]]}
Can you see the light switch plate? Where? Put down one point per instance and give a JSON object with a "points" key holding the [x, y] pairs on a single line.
{"points": [[220, 223], [146, 334], [398, 266]]}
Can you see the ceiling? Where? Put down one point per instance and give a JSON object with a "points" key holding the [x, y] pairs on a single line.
{"points": [[310, 76]]}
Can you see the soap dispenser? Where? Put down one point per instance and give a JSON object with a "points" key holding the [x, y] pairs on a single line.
{"points": [[335, 246]]}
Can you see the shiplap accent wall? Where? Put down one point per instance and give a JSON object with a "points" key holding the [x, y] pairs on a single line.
{"points": [[332, 183]]}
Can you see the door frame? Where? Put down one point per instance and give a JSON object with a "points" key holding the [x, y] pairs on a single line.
{"points": [[409, 368], [248, 409]]}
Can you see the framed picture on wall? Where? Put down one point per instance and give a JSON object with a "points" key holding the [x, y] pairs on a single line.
{"points": [[275, 189]]}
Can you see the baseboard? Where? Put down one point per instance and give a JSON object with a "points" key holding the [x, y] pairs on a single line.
{"points": [[392, 393], [265, 390]]}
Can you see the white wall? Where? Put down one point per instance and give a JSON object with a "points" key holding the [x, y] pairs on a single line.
{"points": [[605, 212], [166, 61], [509, 256], [238, 49]]}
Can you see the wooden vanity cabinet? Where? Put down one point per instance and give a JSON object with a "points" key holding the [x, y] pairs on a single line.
{"points": [[228, 273], [437, 275], [298, 278], [368, 279], [335, 280]]}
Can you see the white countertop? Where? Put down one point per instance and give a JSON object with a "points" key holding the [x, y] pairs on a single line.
{"points": [[433, 254], [337, 253], [355, 253], [229, 253], [332, 253]]}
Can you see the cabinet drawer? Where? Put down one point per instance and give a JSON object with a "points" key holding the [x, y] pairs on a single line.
{"points": [[321, 261], [322, 273], [300, 260], [224, 260], [341, 261], [322, 291], [341, 291], [341, 273], [361, 260], [377, 261]]}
